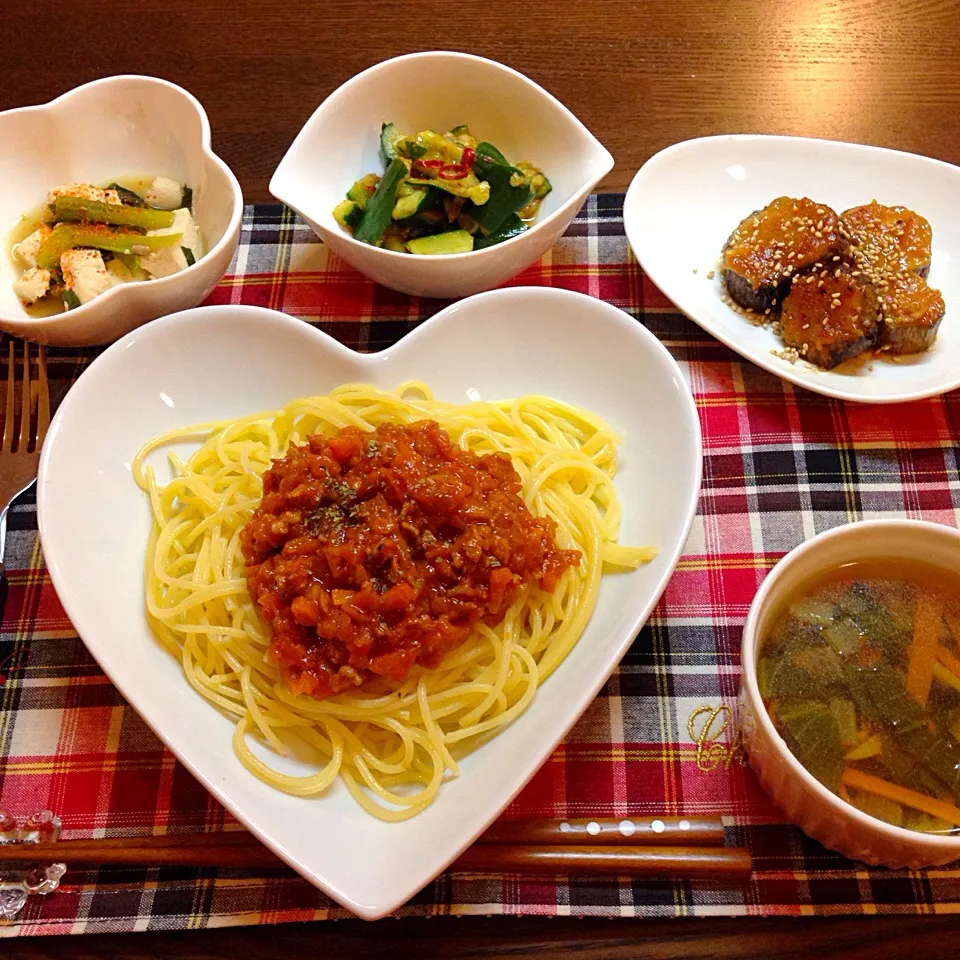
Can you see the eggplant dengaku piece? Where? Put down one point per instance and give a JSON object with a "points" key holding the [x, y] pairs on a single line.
{"points": [[772, 245], [888, 240], [912, 311], [830, 316]]}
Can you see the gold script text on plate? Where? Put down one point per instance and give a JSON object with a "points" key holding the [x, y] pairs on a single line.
{"points": [[706, 726]]}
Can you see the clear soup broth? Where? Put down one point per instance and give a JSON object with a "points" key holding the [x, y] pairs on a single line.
{"points": [[860, 673]]}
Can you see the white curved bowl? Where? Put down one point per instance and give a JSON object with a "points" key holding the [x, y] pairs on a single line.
{"points": [[438, 90], [228, 361], [116, 127], [685, 201], [807, 802]]}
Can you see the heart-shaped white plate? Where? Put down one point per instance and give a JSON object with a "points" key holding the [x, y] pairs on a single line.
{"points": [[686, 201], [223, 362]]}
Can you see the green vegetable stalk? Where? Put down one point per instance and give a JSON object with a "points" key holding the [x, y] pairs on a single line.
{"points": [[78, 208], [65, 236], [376, 217]]}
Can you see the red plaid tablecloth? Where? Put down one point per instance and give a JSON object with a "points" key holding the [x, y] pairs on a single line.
{"points": [[780, 465]]}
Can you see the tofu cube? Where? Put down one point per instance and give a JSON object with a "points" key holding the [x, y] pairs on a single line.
{"points": [[163, 263], [86, 191], [183, 223], [27, 248], [164, 194], [85, 273], [34, 284]]}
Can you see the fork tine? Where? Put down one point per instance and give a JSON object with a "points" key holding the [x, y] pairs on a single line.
{"points": [[25, 411], [43, 400], [7, 446]]}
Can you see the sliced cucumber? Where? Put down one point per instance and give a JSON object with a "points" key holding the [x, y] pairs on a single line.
{"points": [[473, 189], [362, 190], [392, 242], [389, 135], [512, 228], [411, 204], [454, 241], [347, 213], [70, 300]]}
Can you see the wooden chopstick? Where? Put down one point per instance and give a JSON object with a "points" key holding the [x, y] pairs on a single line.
{"points": [[646, 862], [505, 848]]}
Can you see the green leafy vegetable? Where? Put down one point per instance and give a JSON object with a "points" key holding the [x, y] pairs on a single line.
{"points": [[128, 197], [812, 733], [376, 217]]}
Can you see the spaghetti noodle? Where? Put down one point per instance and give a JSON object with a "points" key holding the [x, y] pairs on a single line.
{"points": [[391, 741]]}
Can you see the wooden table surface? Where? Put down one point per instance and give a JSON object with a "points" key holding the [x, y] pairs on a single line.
{"points": [[641, 75]]}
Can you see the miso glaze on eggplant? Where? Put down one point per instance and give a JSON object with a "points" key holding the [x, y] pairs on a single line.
{"points": [[835, 287]]}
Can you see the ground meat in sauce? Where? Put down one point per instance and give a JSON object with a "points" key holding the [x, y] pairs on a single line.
{"points": [[372, 552]]}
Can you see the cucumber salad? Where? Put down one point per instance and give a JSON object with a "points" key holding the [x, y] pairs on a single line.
{"points": [[441, 193], [86, 239]]}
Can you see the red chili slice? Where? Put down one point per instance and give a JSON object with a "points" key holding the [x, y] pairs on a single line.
{"points": [[453, 171], [469, 157]]}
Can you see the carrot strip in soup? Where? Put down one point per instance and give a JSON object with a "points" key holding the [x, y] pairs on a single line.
{"points": [[909, 798], [923, 649], [951, 662]]}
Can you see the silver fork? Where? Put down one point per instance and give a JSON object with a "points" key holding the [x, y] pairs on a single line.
{"points": [[20, 456]]}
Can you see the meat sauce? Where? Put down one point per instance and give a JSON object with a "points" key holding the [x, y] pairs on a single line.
{"points": [[373, 552]]}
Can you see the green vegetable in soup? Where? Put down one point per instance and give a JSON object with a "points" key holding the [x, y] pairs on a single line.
{"points": [[845, 713], [880, 693], [812, 731], [833, 667], [936, 750], [879, 807], [899, 766]]}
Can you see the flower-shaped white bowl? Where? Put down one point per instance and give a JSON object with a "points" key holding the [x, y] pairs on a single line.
{"points": [[116, 127], [806, 802], [438, 90]]}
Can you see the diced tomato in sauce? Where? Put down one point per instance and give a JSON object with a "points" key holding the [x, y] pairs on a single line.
{"points": [[373, 552]]}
